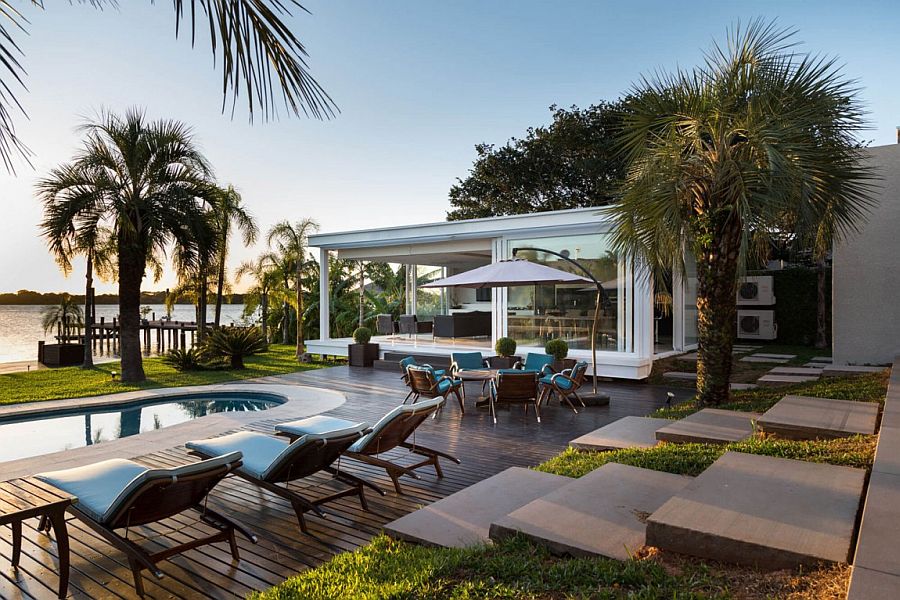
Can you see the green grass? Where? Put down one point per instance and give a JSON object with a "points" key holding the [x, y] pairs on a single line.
{"points": [[387, 569], [73, 382]]}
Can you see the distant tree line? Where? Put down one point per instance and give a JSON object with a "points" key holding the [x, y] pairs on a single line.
{"points": [[29, 297]]}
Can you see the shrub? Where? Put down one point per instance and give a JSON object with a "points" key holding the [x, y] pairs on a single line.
{"points": [[184, 360], [362, 335], [505, 346], [232, 344], [557, 348]]}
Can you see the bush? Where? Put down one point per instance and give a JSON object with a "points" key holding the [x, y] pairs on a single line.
{"points": [[557, 348], [232, 344], [362, 335], [184, 360], [505, 346]]}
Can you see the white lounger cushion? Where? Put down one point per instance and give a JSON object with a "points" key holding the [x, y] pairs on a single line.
{"points": [[103, 487], [260, 451], [383, 422], [321, 427]]}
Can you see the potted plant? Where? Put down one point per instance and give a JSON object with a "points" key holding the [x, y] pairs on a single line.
{"points": [[505, 359], [362, 353], [559, 350]]}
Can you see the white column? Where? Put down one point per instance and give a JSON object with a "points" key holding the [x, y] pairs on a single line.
{"points": [[324, 296], [500, 321]]}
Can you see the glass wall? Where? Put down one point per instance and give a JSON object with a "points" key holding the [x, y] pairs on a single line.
{"points": [[690, 301], [429, 301], [536, 314]]}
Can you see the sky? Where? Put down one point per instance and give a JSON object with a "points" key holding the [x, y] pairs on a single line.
{"points": [[419, 83]]}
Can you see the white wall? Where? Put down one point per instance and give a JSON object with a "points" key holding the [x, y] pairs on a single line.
{"points": [[866, 275]]}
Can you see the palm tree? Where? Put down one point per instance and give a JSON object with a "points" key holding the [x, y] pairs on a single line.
{"points": [[290, 240], [259, 53], [719, 156], [262, 271], [67, 311], [229, 211], [147, 181]]}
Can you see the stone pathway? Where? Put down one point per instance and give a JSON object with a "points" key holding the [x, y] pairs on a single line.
{"points": [[755, 358], [765, 512], [709, 426], [776, 380], [805, 418], [680, 375], [841, 370], [628, 432]]}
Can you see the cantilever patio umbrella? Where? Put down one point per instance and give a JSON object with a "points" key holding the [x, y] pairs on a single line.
{"points": [[519, 272]]}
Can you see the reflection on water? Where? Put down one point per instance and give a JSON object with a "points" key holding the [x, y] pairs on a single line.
{"points": [[43, 435]]}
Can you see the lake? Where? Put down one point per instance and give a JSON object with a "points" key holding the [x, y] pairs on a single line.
{"points": [[20, 326]]}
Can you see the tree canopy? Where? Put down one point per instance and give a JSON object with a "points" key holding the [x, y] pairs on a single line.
{"points": [[570, 163]]}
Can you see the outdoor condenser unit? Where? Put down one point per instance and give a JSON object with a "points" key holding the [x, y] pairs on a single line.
{"points": [[756, 325], [756, 291]]}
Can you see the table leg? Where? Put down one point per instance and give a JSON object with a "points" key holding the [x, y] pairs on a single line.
{"points": [[17, 542], [58, 520]]}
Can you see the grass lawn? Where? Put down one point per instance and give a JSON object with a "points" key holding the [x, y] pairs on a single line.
{"points": [[387, 569], [74, 382]]}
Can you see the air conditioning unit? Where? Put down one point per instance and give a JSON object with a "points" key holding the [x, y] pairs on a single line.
{"points": [[756, 291], [756, 325]]}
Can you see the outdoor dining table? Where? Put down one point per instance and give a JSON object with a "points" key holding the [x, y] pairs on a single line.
{"points": [[482, 375]]}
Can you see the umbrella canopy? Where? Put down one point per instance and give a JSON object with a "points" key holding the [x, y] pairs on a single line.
{"points": [[508, 273]]}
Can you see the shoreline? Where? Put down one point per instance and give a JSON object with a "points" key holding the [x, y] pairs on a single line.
{"points": [[24, 366]]}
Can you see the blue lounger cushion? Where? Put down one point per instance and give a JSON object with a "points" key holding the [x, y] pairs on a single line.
{"points": [[322, 427], [263, 454], [389, 418], [103, 487]]}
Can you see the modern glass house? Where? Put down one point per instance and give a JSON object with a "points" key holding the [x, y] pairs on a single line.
{"points": [[638, 323]]}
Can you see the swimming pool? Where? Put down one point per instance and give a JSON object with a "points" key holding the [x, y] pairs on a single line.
{"points": [[63, 429]]}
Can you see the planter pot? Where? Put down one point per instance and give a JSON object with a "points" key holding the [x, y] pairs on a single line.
{"points": [[60, 355], [503, 362], [362, 355], [561, 365]]}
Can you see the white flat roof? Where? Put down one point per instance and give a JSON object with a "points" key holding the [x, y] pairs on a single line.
{"points": [[491, 227]]}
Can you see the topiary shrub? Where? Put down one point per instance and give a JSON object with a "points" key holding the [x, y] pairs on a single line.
{"points": [[505, 346], [557, 348], [184, 360], [233, 344], [362, 335]]}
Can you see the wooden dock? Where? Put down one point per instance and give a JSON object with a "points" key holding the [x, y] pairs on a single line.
{"points": [[99, 571], [156, 335]]}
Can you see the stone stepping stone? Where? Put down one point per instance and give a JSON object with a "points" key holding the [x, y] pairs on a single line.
{"points": [[709, 426], [692, 357], [815, 365], [753, 358], [767, 355], [600, 514], [820, 359], [627, 432], [805, 418], [839, 370], [776, 380], [742, 386], [814, 371], [682, 375], [464, 518], [761, 511]]}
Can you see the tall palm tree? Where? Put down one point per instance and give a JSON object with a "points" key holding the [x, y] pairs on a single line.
{"points": [[290, 240], [146, 180], [259, 53], [229, 212], [67, 311], [719, 156], [262, 270]]}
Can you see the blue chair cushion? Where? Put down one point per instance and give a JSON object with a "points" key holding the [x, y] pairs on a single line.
{"points": [[445, 385], [536, 362], [561, 382], [468, 360], [321, 427], [368, 444], [103, 487], [512, 371], [407, 362]]}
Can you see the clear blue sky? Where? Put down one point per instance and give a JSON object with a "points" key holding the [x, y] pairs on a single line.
{"points": [[419, 83]]}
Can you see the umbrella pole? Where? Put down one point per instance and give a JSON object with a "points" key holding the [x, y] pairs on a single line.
{"points": [[594, 338]]}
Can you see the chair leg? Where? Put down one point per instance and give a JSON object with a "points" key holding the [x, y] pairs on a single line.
{"points": [[462, 407], [136, 574], [537, 410], [568, 401]]}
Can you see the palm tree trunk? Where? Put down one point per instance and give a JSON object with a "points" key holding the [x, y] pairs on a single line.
{"points": [[88, 321], [821, 313], [201, 304], [362, 294], [285, 322], [716, 311], [220, 285], [131, 273], [300, 340], [264, 301]]}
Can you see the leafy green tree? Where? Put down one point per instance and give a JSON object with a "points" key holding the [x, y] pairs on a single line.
{"points": [[68, 312], [290, 241], [148, 181], [229, 213], [720, 156], [258, 52], [570, 163], [263, 273]]}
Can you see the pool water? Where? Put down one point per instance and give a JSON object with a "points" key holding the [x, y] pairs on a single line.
{"points": [[62, 430]]}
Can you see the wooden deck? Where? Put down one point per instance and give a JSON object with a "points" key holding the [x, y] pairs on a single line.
{"points": [[99, 571]]}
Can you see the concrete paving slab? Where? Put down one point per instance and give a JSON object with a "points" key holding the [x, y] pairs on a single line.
{"points": [[814, 365], [742, 386], [839, 370], [600, 514], [682, 375], [776, 380], [709, 426], [762, 359], [820, 359], [689, 357], [805, 418], [866, 584], [814, 371], [628, 432], [464, 518], [880, 527], [766, 512], [770, 355]]}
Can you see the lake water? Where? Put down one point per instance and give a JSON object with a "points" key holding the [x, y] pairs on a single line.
{"points": [[20, 326]]}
